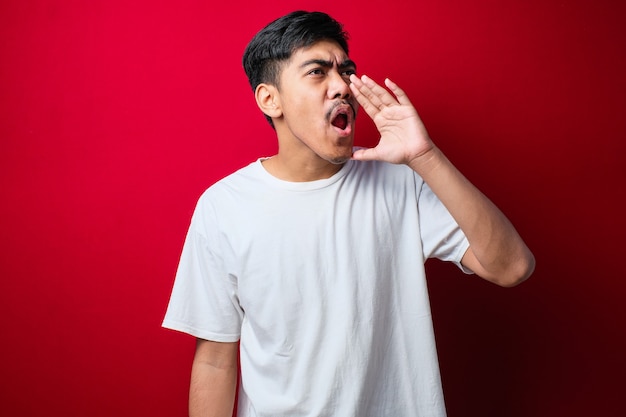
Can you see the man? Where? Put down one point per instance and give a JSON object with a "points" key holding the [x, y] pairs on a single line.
{"points": [[308, 266]]}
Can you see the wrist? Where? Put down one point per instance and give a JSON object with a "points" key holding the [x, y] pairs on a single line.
{"points": [[426, 161]]}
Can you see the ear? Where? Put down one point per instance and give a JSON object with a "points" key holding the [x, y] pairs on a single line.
{"points": [[268, 100]]}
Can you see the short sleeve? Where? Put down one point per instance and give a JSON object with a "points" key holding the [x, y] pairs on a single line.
{"points": [[442, 238], [204, 301]]}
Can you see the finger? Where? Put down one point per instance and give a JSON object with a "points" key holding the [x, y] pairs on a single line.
{"points": [[363, 99], [398, 92], [365, 95], [369, 154], [380, 92]]}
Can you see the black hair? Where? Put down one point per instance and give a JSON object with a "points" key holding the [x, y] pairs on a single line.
{"points": [[276, 42]]}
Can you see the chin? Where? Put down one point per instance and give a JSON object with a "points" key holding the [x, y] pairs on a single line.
{"points": [[340, 152], [339, 160]]}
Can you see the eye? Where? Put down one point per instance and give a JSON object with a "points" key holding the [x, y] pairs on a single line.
{"points": [[348, 72], [317, 71]]}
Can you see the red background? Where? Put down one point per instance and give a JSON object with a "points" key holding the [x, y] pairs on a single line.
{"points": [[116, 115]]}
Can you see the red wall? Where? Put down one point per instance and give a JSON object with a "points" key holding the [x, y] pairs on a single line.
{"points": [[116, 115]]}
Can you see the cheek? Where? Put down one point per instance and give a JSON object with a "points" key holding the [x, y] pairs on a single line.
{"points": [[303, 111]]}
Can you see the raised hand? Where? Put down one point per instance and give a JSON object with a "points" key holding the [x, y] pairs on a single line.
{"points": [[497, 252], [403, 137]]}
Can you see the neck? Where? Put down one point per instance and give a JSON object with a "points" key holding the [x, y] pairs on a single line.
{"points": [[295, 169]]}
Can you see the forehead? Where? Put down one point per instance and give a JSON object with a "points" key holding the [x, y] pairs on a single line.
{"points": [[325, 50]]}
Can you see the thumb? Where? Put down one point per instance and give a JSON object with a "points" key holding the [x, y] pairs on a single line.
{"points": [[369, 154]]}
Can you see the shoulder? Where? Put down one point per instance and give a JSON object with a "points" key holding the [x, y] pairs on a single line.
{"points": [[240, 180], [226, 195]]}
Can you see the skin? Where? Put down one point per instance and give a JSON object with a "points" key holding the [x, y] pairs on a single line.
{"points": [[497, 253], [214, 374], [312, 82]]}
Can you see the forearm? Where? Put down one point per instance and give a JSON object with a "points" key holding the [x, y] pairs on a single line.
{"points": [[212, 388], [498, 253]]}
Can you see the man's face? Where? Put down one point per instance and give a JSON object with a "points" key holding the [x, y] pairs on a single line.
{"points": [[318, 109]]}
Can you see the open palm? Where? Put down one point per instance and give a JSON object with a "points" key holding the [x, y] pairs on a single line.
{"points": [[403, 136]]}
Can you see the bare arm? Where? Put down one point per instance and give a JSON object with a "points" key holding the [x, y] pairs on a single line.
{"points": [[497, 252], [213, 379]]}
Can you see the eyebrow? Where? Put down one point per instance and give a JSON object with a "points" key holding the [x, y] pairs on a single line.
{"points": [[348, 63]]}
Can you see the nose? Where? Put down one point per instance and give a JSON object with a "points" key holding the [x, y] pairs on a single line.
{"points": [[339, 86]]}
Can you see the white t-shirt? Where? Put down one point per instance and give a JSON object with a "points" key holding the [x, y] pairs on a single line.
{"points": [[323, 283]]}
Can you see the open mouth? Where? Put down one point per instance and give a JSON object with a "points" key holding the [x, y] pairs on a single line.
{"points": [[341, 116], [340, 121]]}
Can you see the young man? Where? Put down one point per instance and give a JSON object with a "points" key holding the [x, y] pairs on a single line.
{"points": [[308, 266]]}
